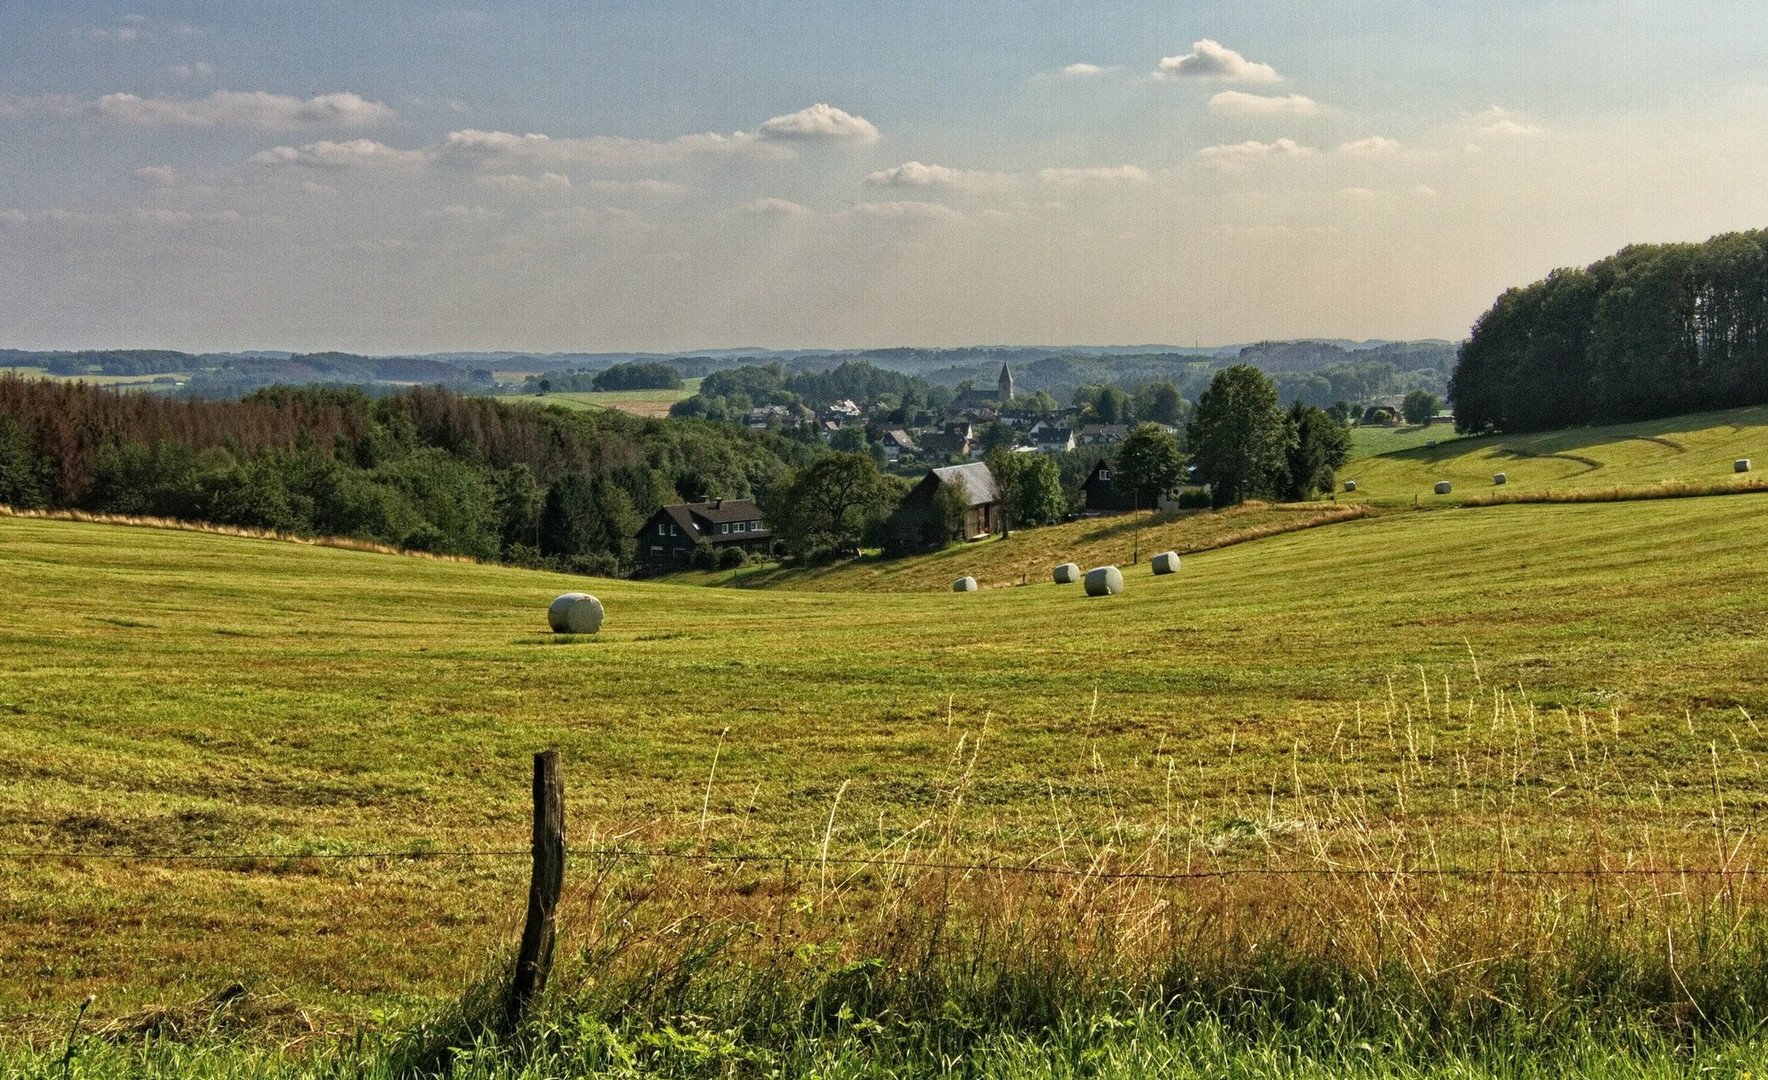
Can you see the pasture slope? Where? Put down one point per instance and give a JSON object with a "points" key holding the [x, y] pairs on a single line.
{"points": [[1028, 555], [1562, 687], [1621, 459], [636, 402]]}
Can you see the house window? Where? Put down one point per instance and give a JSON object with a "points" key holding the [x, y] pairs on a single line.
{"points": [[725, 528], [656, 549], [1104, 474]]}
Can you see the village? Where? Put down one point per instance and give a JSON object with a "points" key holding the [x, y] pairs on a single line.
{"points": [[947, 454]]}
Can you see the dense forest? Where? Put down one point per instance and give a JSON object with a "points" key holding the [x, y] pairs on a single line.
{"points": [[425, 469], [1653, 330]]}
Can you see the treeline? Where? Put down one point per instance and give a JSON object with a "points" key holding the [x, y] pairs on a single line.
{"points": [[1653, 330], [426, 469], [728, 394], [639, 375]]}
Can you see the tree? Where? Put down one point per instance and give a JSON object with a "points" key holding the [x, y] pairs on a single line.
{"points": [[1040, 404], [1103, 403], [588, 522], [24, 476], [1151, 462], [1318, 447], [1029, 487], [924, 526], [825, 509], [1238, 435], [1419, 406], [1158, 402]]}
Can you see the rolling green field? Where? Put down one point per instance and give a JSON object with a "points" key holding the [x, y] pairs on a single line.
{"points": [[1370, 441], [637, 402], [1696, 449], [172, 692], [1028, 555]]}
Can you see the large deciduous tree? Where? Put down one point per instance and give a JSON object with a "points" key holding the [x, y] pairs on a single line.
{"points": [[1238, 436], [1318, 447], [1151, 462], [824, 510]]}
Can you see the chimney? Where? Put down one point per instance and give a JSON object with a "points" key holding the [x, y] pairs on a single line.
{"points": [[717, 504]]}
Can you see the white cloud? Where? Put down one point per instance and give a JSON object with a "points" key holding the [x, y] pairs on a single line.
{"points": [[1101, 174], [1238, 155], [12, 217], [163, 175], [1373, 146], [136, 28], [490, 147], [326, 154], [1212, 60], [909, 210], [1501, 121], [516, 184], [1236, 103], [1082, 71], [783, 208], [198, 70], [253, 109], [649, 187], [819, 122], [913, 174]]}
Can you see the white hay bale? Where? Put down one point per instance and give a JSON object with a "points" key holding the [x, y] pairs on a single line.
{"points": [[1444, 487], [1167, 562], [964, 584], [1104, 581], [1430, 444], [575, 613], [1350, 485], [1499, 478], [1066, 574], [1742, 464]]}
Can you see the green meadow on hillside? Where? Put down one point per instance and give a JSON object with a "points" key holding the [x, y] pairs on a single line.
{"points": [[637, 402], [1696, 450], [1028, 555], [1509, 683]]}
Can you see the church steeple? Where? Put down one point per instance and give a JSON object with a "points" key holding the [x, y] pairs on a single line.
{"points": [[1006, 385]]}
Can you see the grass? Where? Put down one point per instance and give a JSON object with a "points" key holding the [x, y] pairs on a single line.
{"points": [[1548, 686], [1621, 459], [636, 402], [1367, 442], [1029, 555]]}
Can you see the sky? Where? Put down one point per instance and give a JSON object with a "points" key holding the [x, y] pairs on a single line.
{"points": [[579, 176]]}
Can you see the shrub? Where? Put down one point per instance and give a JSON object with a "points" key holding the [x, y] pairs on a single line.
{"points": [[731, 558]]}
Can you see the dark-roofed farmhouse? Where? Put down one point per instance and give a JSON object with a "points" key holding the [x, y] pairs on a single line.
{"points": [[1104, 493], [668, 537]]}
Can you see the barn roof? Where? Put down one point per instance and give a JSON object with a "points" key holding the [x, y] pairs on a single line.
{"points": [[974, 480]]}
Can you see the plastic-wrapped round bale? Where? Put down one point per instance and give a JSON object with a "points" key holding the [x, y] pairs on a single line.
{"points": [[1167, 562], [1066, 574], [1444, 487], [1350, 485], [1742, 464], [964, 584], [575, 613], [1104, 581], [1499, 478]]}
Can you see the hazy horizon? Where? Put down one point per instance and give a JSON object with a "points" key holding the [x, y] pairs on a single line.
{"points": [[552, 177]]}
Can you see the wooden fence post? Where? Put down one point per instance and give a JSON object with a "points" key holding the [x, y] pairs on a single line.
{"points": [[534, 959]]}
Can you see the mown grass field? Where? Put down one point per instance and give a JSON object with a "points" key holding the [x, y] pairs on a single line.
{"points": [[1308, 696], [1028, 555], [1697, 449], [1371, 441], [636, 402]]}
